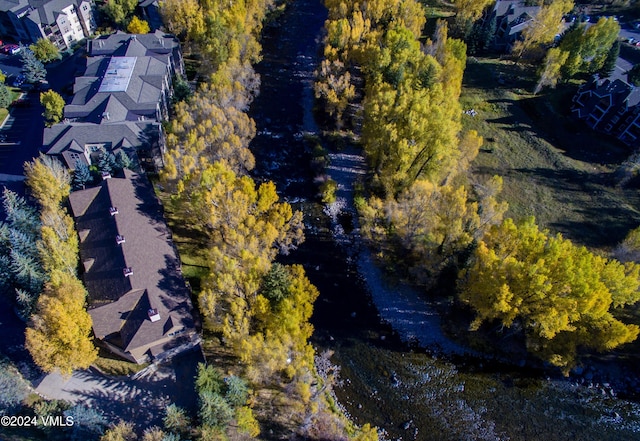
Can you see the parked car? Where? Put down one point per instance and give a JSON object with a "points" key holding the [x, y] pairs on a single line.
{"points": [[19, 80], [11, 49]]}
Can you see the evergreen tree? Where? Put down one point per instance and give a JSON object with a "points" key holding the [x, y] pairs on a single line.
{"points": [[34, 69], [5, 96], [107, 161], [633, 75], [123, 161], [609, 64], [81, 175]]}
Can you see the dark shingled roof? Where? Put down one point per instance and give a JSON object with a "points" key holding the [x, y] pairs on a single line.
{"points": [[119, 305]]}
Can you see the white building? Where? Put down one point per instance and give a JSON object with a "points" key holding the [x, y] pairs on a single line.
{"points": [[63, 22]]}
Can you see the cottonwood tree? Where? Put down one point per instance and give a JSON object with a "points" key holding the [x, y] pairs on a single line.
{"points": [[137, 26], [45, 51], [58, 337], [543, 28], [48, 180], [588, 48], [53, 105], [119, 10], [561, 294], [247, 227], [550, 72]]}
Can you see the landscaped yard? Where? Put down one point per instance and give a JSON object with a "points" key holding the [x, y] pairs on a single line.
{"points": [[554, 168]]}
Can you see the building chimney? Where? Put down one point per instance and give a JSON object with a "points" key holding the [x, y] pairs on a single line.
{"points": [[120, 239], [154, 315], [88, 263], [128, 271]]}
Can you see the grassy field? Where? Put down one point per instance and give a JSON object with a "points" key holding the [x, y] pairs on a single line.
{"points": [[554, 168]]}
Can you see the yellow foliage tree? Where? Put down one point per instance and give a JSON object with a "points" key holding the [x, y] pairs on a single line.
{"points": [[560, 293], [58, 337], [137, 26], [543, 28]]}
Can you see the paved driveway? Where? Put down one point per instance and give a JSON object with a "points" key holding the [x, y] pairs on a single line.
{"points": [[141, 401], [20, 138]]}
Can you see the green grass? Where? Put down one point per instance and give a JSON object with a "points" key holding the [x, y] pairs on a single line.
{"points": [[554, 168], [191, 244]]}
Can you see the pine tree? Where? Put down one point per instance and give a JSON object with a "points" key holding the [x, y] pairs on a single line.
{"points": [[609, 64], [123, 161], [34, 69], [81, 175]]}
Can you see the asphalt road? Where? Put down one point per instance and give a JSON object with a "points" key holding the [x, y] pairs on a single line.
{"points": [[21, 134]]}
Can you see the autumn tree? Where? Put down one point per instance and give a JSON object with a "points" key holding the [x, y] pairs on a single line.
{"points": [[543, 28], [119, 10], [334, 88], [587, 48], [122, 431], [468, 11], [53, 105], [183, 18], [629, 249], [48, 180], [58, 337], [550, 71], [561, 295], [137, 26], [45, 51], [247, 227]]}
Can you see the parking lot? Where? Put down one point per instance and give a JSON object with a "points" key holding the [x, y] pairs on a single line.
{"points": [[21, 135]]}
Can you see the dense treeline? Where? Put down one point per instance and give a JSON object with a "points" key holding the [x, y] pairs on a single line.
{"points": [[40, 258], [258, 308], [425, 213]]}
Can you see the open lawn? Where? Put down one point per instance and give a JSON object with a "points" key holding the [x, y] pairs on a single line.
{"points": [[554, 168]]}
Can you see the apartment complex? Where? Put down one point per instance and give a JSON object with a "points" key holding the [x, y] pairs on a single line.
{"points": [[119, 101], [63, 22], [138, 299]]}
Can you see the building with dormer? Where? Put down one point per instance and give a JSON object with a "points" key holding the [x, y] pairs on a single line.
{"points": [[63, 22], [138, 299], [119, 101]]}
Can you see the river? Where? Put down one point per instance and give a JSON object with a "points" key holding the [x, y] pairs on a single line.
{"points": [[366, 320]]}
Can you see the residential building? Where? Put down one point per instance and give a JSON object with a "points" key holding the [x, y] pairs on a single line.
{"points": [[611, 107], [512, 17], [119, 101], [126, 78], [74, 143], [138, 299], [63, 22]]}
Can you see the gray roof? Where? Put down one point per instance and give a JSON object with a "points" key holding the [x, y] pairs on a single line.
{"points": [[45, 11], [15, 6], [140, 95], [119, 305], [118, 44], [64, 137]]}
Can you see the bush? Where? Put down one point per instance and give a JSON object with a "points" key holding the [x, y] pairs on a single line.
{"points": [[328, 191]]}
